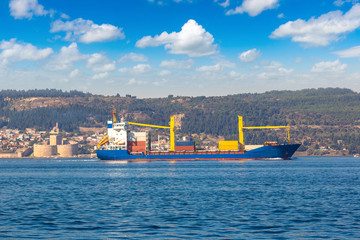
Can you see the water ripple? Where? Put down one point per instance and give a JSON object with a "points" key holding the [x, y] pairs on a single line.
{"points": [[307, 198]]}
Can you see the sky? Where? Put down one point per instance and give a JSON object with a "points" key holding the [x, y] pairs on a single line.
{"points": [[156, 48]]}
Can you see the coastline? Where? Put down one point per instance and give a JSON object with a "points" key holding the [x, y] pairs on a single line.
{"points": [[93, 156], [82, 156]]}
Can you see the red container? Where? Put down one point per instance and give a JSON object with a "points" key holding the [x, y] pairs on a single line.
{"points": [[184, 148], [136, 149], [137, 143]]}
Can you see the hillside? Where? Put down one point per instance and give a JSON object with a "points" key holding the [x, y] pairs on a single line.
{"points": [[319, 117]]}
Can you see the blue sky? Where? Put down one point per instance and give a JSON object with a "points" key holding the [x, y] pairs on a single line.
{"points": [[153, 48]]}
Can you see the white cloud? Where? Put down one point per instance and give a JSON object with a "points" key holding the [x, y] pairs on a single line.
{"points": [[192, 40], [100, 63], [285, 70], [142, 68], [320, 31], [224, 4], [254, 68], [159, 82], [281, 15], [333, 67], [341, 2], [64, 16], [65, 80], [353, 52], [86, 31], [274, 73], [234, 74], [211, 68], [133, 81], [224, 63], [138, 69], [164, 2], [66, 58], [13, 51], [272, 70], [250, 55], [74, 73], [100, 76], [219, 66], [133, 57], [254, 7], [26, 9], [271, 64], [182, 64], [164, 73]]}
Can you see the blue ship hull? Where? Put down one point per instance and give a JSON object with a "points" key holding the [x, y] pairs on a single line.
{"points": [[266, 152]]}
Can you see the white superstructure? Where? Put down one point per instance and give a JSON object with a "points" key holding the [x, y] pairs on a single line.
{"points": [[117, 134]]}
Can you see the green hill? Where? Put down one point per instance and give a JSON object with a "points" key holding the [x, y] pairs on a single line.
{"points": [[319, 117]]}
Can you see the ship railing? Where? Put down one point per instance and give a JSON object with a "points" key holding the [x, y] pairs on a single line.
{"points": [[110, 148]]}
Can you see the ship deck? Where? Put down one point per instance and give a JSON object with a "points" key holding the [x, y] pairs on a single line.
{"points": [[193, 152]]}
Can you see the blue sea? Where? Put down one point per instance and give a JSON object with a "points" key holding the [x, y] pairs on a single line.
{"points": [[303, 198]]}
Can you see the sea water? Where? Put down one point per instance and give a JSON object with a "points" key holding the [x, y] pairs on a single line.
{"points": [[303, 198]]}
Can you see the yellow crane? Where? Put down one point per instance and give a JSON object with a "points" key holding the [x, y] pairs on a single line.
{"points": [[103, 141], [106, 137], [114, 115], [171, 127], [241, 132]]}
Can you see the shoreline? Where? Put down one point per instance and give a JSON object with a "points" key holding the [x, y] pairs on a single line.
{"points": [[82, 156], [89, 156]]}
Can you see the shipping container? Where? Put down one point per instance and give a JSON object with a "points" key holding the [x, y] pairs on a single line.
{"points": [[189, 143], [138, 136], [136, 149], [134, 139], [184, 148], [137, 143], [228, 145]]}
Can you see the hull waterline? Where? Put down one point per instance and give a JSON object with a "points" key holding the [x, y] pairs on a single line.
{"points": [[266, 152]]}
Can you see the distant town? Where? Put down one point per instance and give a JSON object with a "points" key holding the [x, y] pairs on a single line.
{"points": [[31, 143], [15, 143]]}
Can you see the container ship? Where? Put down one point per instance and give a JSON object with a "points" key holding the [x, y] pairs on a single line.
{"points": [[122, 144]]}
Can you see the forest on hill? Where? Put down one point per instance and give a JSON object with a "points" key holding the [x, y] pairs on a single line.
{"points": [[325, 117]]}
